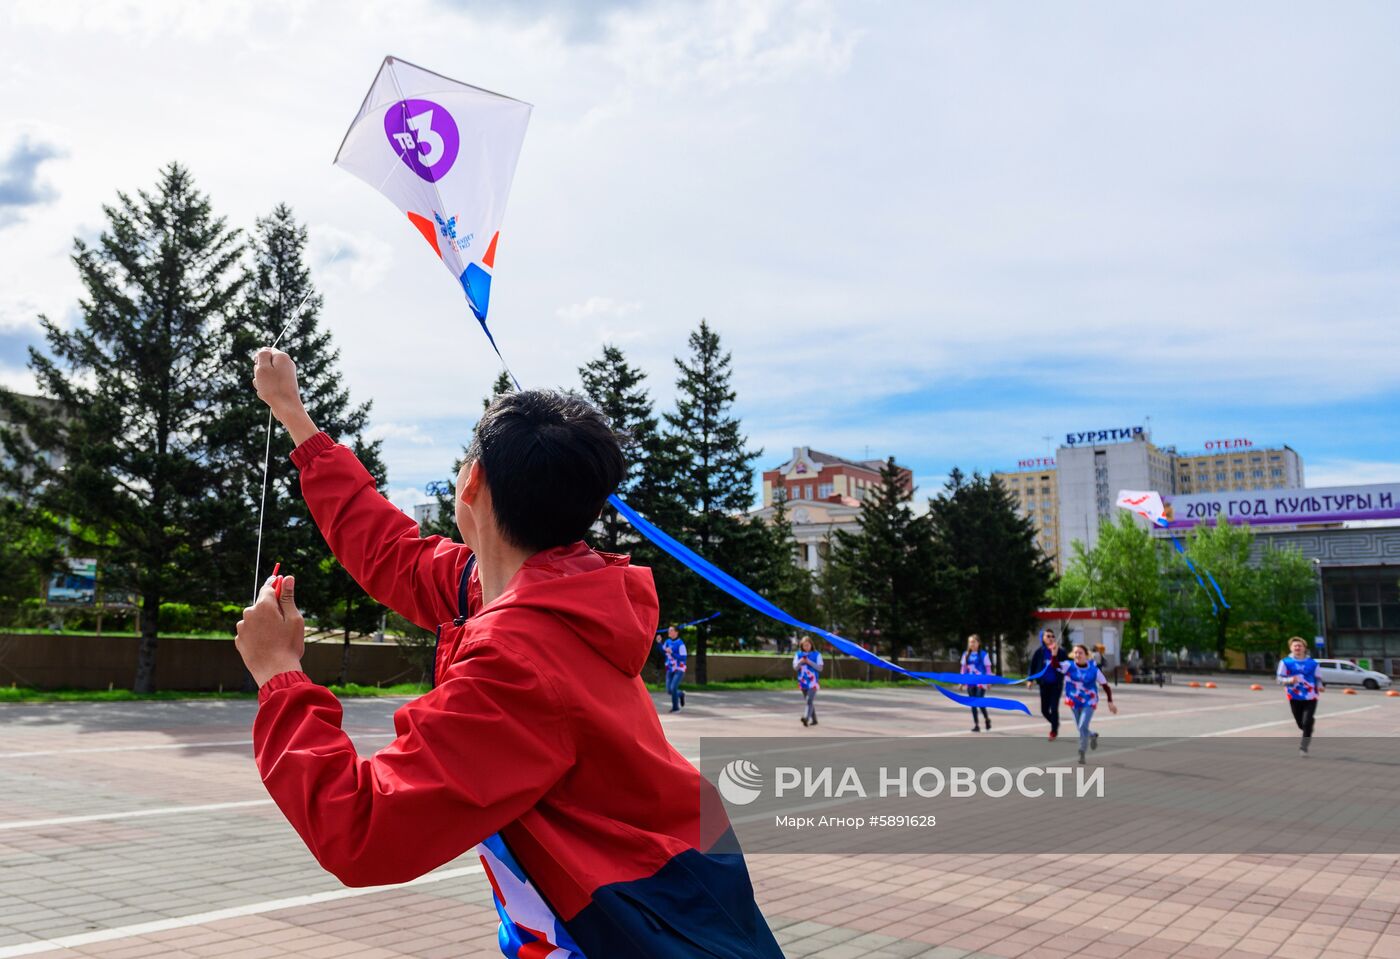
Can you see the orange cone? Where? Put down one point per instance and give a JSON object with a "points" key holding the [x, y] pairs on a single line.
{"points": [[1348, 692], [1391, 692], [1194, 685], [1210, 685], [1256, 687]]}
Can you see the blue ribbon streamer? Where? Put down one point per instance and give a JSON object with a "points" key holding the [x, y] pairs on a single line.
{"points": [[1180, 548], [719, 578]]}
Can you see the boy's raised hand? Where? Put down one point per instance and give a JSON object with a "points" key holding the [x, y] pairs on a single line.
{"points": [[271, 634], [275, 379]]}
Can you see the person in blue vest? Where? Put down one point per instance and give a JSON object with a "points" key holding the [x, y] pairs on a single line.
{"points": [[674, 649], [807, 663], [1046, 662], [1083, 677], [975, 662], [1298, 672]]}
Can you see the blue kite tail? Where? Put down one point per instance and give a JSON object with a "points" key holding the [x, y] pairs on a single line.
{"points": [[693, 622], [719, 578], [1215, 610]]}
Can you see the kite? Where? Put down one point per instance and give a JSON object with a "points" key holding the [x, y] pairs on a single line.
{"points": [[445, 153], [1150, 507]]}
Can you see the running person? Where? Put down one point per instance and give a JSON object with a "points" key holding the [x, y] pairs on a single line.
{"points": [[1047, 662], [975, 663], [1083, 677], [674, 648], [808, 664], [1298, 671]]}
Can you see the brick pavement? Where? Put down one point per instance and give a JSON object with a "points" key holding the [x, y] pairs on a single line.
{"points": [[165, 884]]}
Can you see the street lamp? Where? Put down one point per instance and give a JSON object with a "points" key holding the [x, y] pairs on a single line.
{"points": [[1321, 609]]}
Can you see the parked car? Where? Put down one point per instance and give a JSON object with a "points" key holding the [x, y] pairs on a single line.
{"points": [[1349, 674]]}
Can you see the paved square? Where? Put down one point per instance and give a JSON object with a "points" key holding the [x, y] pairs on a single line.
{"points": [[141, 829]]}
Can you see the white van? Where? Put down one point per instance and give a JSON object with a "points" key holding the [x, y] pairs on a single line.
{"points": [[1343, 673]]}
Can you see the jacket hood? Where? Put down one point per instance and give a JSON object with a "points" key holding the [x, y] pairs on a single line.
{"points": [[601, 597]]}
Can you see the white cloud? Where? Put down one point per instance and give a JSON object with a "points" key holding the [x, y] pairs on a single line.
{"points": [[1348, 472], [405, 432], [869, 202], [407, 497], [596, 306], [18, 379]]}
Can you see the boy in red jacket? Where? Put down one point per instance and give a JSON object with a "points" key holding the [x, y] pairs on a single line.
{"points": [[539, 746]]}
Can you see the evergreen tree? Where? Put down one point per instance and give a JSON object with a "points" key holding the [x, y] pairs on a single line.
{"points": [[781, 578], [279, 296], [133, 380], [711, 473], [894, 565], [1004, 575], [616, 389], [444, 521]]}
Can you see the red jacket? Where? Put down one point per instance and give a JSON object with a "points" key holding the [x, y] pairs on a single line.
{"points": [[539, 729]]}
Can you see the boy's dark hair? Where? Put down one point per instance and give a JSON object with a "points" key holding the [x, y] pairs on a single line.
{"points": [[551, 461]]}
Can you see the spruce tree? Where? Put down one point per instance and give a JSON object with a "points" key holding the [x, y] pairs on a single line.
{"points": [[133, 380], [444, 518], [893, 566], [280, 299], [616, 389], [711, 472], [1005, 576]]}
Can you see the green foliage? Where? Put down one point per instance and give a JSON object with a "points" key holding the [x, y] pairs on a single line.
{"points": [[615, 387], [896, 569], [1121, 571], [708, 469], [132, 380], [999, 575], [176, 617]]}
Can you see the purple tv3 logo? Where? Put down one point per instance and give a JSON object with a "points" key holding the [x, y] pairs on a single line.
{"points": [[424, 135]]}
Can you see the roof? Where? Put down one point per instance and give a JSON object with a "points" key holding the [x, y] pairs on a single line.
{"points": [[831, 459]]}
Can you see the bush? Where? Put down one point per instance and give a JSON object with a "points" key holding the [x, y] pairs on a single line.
{"points": [[176, 617]]}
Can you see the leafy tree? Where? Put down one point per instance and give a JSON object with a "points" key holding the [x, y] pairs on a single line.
{"points": [[132, 378], [1223, 550], [30, 549], [616, 389], [837, 605], [1272, 606], [710, 469], [1004, 577], [1121, 572]]}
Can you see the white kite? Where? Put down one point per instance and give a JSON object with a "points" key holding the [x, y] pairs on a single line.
{"points": [[444, 153]]}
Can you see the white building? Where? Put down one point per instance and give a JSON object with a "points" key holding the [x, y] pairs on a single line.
{"points": [[1092, 472]]}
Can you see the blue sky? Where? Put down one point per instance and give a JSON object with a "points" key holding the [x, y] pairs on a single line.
{"points": [[938, 230]]}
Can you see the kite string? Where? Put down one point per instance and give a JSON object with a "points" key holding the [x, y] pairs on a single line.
{"points": [[267, 452]]}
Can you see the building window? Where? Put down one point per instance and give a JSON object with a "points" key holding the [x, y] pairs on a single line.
{"points": [[1220, 476], [1257, 474], [809, 491], [1239, 474], [825, 490], [1276, 472]]}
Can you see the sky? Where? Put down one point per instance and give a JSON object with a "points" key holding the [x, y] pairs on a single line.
{"points": [[947, 232]]}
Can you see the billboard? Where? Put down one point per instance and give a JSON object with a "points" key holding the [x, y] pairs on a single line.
{"points": [[1329, 504], [76, 585]]}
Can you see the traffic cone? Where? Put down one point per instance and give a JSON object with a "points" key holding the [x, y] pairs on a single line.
{"points": [[1348, 692], [1256, 687], [1194, 685], [1210, 685], [1391, 692]]}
